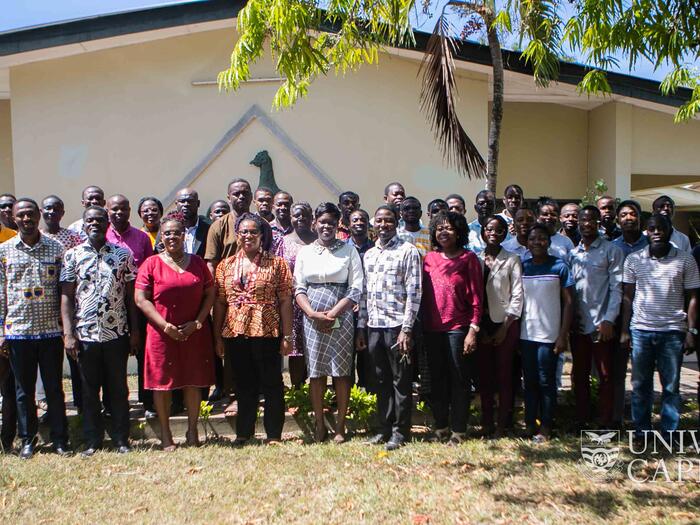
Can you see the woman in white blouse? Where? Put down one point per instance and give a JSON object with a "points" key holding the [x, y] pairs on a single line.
{"points": [[328, 282]]}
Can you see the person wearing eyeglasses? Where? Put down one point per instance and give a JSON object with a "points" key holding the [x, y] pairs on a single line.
{"points": [[253, 325]]}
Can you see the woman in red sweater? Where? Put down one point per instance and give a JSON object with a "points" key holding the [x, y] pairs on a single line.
{"points": [[452, 306]]}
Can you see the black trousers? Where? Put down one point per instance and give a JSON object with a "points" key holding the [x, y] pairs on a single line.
{"points": [[76, 383], [9, 405], [47, 354], [451, 373], [103, 365], [257, 367], [392, 379]]}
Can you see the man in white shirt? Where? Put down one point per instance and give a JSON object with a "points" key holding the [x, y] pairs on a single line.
{"points": [[665, 205]]}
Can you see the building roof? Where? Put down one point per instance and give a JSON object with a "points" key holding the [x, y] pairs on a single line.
{"points": [[70, 32]]}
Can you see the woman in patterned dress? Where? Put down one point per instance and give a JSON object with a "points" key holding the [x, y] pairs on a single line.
{"points": [[253, 325], [302, 217], [328, 282]]}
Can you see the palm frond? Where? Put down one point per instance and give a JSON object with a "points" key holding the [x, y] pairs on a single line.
{"points": [[437, 101]]}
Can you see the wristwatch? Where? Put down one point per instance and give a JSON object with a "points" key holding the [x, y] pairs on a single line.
{"points": [[693, 331], [474, 327], [197, 324]]}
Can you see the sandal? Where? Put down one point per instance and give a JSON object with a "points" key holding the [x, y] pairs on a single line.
{"points": [[169, 448], [441, 435], [231, 409], [457, 438]]}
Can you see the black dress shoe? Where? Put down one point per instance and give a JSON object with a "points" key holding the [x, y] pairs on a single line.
{"points": [[27, 450], [394, 444], [123, 448], [379, 439], [62, 449], [89, 452]]}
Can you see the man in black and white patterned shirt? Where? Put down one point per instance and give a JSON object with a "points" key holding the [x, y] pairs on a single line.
{"points": [[97, 306], [388, 309]]}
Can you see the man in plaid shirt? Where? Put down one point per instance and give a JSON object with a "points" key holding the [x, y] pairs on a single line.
{"points": [[388, 310]]}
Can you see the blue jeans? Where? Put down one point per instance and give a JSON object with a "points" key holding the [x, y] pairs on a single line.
{"points": [[539, 372], [663, 351]]}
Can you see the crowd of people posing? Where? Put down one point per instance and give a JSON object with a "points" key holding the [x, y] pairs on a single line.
{"points": [[386, 301]]}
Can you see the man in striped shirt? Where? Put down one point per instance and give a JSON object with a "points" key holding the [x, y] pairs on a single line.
{"points": [[656, 281]]}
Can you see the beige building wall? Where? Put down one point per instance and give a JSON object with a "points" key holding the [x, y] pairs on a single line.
{"points": [[661, 147], [610, 147], [7, 180], [130, 120], [543, 149]]}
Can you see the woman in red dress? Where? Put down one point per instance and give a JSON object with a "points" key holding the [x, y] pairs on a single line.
{"points": [[175, 291]]}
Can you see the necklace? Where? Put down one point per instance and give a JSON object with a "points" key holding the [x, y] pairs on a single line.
{"points": [[180, 261]]}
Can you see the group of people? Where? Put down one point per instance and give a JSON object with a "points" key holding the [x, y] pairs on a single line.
{"points": [[387, 301]]}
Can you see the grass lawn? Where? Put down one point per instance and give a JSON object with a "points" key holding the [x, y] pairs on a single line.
{"points": [[501, 481]]}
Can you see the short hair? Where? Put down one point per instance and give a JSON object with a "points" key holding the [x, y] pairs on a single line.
{"points": [[541, 227], [211, 206], [92, 187], [413, 199], [350, 194], [329, 208], [456, 196], [663, 198], [144, 200], [500, 220], [8, 195], [484, 192], [264, 189], [525, 209], [546, 201], [391, 209], [604, 197], [55, 197], [236, 181], [592, 209], [629, 203], [390, 185], [29, 200], [513, 187], [456, 220], [438, 202], [657, 217], [303, 204], [570, 204], [282, 192], [263, 226], [119, 196], [98, 208], [363, 212], [173, 216]]}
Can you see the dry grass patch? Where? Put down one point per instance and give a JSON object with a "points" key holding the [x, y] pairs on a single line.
{"points": [[504, 481]]}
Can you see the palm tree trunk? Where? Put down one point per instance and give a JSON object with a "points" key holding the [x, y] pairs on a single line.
{"points": [[496, 106]]}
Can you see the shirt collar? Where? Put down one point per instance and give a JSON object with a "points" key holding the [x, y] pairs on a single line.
{"points": [[20, 243], [193, 227], [673, 252], [318, 247], [393, 242], [595, 244]]}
